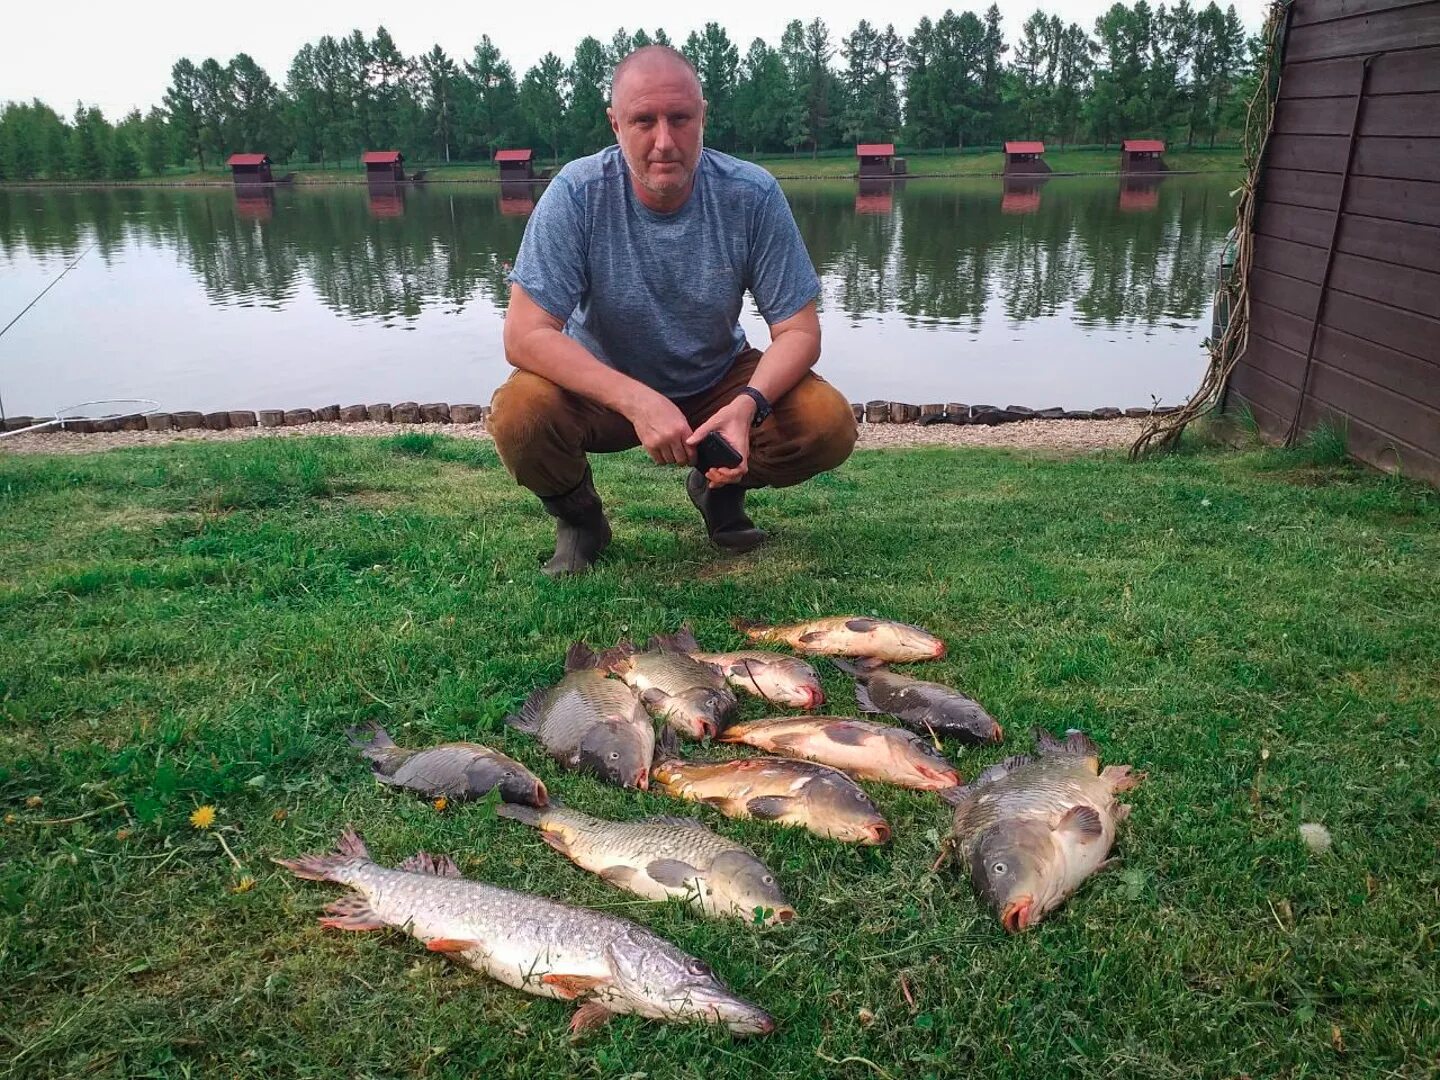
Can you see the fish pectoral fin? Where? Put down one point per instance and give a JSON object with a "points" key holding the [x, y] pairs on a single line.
{"points": [[769, 807], [1083, 820], [846, 734], [672, 873], [619, 875], [861, 626], [422, 862], [352, 912], [453, 946], [588, 1017], [812, 636], [571, 987], [556, 841], [863, 699], [1121, 777], [528, 718], [653, 698]]}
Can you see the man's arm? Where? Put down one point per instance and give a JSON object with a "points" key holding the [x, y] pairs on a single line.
{"points": [[535, 342], [794, 349]]}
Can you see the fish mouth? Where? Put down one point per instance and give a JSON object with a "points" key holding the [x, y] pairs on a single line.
{"points": [[784, 915], [940, 778], [939, 650], [1016, 916], [642, 779], [814, 697], [998, 735], [542, 796], [877, 834]]}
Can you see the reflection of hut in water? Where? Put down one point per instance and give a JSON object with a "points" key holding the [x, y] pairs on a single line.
{"points": [[1142, 155], [255, 201], [516, 164], [1139, 194], [876, 159], [1021, 195], [516, 197], [1025, 157], [250, 168], [383, 166], [875, 197], [387, 200]]}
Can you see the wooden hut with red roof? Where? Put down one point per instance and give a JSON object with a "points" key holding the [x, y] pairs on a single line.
{"points": [[516, 164], [1023, 156], [250, 168], [876, 159], [383, 166], [1142, 155]]}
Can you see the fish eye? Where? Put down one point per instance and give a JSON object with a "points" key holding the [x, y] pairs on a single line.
{"points": [[767, 880], [698, 967], [614, 755], [859, 796], [999, 868]]}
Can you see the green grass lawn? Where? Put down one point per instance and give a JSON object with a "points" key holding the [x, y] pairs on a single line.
{"points": [[197, 625]]}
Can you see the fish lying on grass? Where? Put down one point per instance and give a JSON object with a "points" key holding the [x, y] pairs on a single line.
{"points": [[457, 770], [689, 696], [779, 679], [592, 724], [852, 635], [607, 965], [1034, 828], [926, 707], [860, 748], [663, 857], [787, 792]]}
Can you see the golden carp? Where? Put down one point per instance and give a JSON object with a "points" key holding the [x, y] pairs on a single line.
{"points": [[852, 635], [864, 750]]}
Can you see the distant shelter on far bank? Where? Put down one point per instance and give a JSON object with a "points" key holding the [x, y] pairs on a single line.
{"points": [[1023, 156], [384, 166], [516, 164], [250, 168], [1142, 155], [876, 159]]}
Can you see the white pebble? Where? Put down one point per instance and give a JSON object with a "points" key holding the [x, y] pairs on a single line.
{"points": [[1316, 837]]}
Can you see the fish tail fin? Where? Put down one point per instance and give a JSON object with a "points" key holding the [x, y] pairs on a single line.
{"points": [[579, 657], [526, 815], [954, 795], [864, 701], [329, 866], [667, 744], [1075, 742], [682, 641], [369, 735], [422, 862], [753, 629], [528, 718], [862, 668]]}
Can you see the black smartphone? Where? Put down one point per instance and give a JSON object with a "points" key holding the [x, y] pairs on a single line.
{"points": [[715, 452]]}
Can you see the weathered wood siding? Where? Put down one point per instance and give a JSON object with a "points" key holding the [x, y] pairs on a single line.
{"points": [[1376, 355]]}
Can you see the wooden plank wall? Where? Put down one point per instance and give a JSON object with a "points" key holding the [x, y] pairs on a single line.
{"points": [[1376, 360]]}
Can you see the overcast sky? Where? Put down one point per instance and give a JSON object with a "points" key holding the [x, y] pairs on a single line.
{"points": [[118, 55]]}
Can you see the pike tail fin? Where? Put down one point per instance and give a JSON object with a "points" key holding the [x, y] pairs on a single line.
{"points": [[329, 866]]}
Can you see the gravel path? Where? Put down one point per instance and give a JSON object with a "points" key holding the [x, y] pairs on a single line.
{"points": [[1072, 436]]}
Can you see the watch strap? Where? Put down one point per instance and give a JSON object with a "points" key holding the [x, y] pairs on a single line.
{"points": [[762, 405]]}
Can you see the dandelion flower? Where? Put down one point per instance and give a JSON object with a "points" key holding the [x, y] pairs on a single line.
{"points": [[441, 803], [34, 802], [245, 884], [203, 817]]}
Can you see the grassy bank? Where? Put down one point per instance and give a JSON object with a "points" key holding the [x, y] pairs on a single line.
{"points": [[188, 626]]}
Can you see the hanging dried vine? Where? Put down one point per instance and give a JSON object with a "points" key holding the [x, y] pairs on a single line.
{"points": [[1162, 431]]}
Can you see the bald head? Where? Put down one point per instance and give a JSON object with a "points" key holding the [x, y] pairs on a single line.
{"points": [[650, 61]]}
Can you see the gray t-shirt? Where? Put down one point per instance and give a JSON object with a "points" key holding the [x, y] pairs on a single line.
{"points": [[658, 296]]}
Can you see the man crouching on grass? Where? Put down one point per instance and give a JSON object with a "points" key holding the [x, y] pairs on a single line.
{"points": [[623, 322]]}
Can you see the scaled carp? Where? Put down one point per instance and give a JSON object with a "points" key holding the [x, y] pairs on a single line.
{"points": [[592, 724], [1034, 828], [860, 748], [607, 965], [456, 770], [779, 679], [689, 696], [852, 635], [662, 857], [927, 707]]}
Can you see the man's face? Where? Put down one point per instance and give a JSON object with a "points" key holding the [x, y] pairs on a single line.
{"points": [[658, 117]]}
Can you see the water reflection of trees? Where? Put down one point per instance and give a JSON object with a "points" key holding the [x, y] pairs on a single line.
{"points": [[944, 252]]}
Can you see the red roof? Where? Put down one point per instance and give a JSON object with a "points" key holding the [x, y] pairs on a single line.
{"points": [[381, 157], [1153, 146], [248, 159], [514, 155], [1024, 148], [875, 149]]}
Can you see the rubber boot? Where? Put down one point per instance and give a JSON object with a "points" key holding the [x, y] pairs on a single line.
{"points": [[723, 509], [581, 531]]}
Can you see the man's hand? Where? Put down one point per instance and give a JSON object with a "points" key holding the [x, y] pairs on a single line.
{"points": [[732, 421], [661, 428]]}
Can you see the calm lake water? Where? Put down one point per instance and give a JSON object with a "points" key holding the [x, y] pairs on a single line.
{"points": [[1079, 292]]}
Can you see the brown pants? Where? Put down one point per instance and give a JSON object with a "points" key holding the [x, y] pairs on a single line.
{"points": [[543, 431]]}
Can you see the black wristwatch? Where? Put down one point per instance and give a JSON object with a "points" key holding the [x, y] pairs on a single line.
{"points": [[762, 406]]}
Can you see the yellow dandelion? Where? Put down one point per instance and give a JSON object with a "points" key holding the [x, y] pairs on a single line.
{"points": [[245, 884], [11, 819], [441, 803], [280, 815], [203, 817], [34, 802], [122, 834]]}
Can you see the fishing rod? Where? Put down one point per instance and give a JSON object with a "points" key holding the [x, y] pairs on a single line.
{"points": [[35, 301]]}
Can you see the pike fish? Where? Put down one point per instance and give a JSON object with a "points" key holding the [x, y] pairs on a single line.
{"points": [[689, 696], [779, 679], [455, 770], [926, 707], [1034, 828], [852, 635], [787, 792], [662, 857], [592, 724], [606, 965], [864, 750]]}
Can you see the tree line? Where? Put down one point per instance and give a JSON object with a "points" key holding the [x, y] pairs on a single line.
{"points": [[1177, 72]]}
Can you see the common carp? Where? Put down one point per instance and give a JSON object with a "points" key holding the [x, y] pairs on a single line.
{"points": [[1034, 828], [456, 770], [689, 696], [607, 965], [592, 724], [662, 857], [852, 635], [927, 707], [779, 679], [860, 748], [814, 797]]}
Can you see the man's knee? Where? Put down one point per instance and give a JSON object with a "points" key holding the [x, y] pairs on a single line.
{"points": [[524, 406], [819, 431]]}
